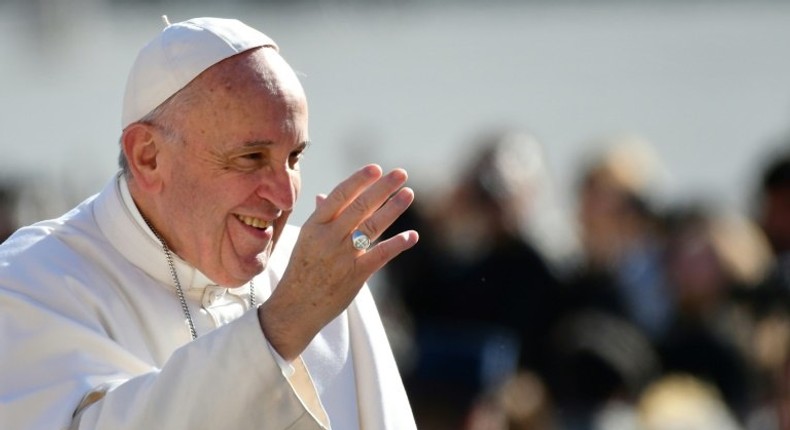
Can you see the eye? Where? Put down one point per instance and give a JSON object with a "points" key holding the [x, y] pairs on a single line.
{"points": [[249, 161], [296, 156]]}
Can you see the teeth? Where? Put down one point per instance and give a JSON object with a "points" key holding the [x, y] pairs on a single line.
{"points": [[254, 222]]}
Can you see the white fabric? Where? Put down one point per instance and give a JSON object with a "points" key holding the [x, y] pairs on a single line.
{"points": [[178, 55], [286, 367], [87, 306]]}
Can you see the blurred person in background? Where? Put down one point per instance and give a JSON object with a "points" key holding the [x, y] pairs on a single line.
{"points": [[773, 410], [601, 363], [683, 402], [8, 206], [620, 235], [614, 303], [714, 260], [772, 214], [773, 202], [481, 296], [137, 309], [770, 302], [521, 402]]}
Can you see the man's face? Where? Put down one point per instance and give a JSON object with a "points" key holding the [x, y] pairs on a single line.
{"points": [[231, 178]]}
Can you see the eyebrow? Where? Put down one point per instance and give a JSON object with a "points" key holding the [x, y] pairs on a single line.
{"points": [[267, 143], [257, 144]]}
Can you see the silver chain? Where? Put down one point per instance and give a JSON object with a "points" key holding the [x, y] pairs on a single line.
{"points": [[179, 290]]}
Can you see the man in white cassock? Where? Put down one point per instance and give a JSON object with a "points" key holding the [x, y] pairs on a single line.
{"points": [[178, 297]]}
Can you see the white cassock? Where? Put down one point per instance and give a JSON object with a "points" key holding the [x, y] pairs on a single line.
{"points": [[92, 336]]}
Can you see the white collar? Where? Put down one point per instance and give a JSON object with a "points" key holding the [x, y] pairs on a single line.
{"points": [[123, 225], [131, 207]]}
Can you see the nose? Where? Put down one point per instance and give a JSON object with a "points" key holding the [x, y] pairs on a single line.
{"points": [[280, 186]]}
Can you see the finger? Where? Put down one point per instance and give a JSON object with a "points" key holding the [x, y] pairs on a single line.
{"points": [[319, 200], [380, 220], [383, 252], [345, 192], [371, 200]]}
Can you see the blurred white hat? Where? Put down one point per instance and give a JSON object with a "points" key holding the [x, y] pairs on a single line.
{"points": [[178, 55]]}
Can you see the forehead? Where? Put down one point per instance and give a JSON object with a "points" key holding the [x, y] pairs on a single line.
{"points": [[250, 93], [261, 71]]}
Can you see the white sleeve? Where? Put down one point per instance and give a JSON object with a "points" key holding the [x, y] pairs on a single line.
{"points": [[286, 366], [227, 378]]}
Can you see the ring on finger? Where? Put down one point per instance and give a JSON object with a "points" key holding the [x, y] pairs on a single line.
{"points": [[360, 240]]}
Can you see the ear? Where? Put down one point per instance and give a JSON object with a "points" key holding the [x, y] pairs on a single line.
{"points": [[141, 146]]}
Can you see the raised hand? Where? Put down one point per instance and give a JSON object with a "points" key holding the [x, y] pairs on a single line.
{"points": [[326, 271]]}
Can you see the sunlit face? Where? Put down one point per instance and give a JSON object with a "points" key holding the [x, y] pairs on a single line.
{"points": [[231, 174]]}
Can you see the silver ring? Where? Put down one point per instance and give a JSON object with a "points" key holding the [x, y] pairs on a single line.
{"points": [[360, 240]]}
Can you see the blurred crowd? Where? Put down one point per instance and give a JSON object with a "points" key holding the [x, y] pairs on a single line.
{"points": [[661, 316], [664, 315]]}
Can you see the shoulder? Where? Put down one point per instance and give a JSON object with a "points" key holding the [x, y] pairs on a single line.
{"points": [[64, 229], [37, 255]]}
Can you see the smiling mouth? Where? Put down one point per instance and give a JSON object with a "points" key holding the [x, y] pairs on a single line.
{"points": [[258, 223]]}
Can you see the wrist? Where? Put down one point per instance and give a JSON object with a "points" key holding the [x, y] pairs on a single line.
{"points": [[284, 329]]}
